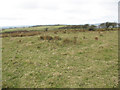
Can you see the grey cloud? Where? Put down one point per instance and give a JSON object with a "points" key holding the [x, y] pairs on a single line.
{"points": [[29, 4], [35, 4]]}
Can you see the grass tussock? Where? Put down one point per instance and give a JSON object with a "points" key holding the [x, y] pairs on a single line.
{"points": [[66, 41], [46, 37], [57, 38], [96, 38]]}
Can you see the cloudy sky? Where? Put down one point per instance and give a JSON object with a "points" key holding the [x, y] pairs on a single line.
{"points": [[37, 12]]}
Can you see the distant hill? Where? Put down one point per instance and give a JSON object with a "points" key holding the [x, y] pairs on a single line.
{"points": [[8, 27]]}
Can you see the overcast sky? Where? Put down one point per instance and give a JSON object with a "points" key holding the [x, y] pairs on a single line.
{"points": [[38, 12]]}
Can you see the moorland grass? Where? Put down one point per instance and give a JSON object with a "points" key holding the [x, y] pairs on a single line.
{"points": [[29, 62]]}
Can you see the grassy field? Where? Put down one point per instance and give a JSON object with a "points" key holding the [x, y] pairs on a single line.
{"points": [[78, 60]]}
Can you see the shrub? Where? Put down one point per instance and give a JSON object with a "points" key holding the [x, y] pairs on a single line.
{"points": [[91, 29]]}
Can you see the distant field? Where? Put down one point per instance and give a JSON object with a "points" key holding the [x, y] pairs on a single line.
{"points": [[39, 28], [78, 60], [43, 28]]}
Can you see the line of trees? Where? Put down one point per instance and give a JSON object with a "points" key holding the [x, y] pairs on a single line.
{"points": [[108, 25], [89, 27]]}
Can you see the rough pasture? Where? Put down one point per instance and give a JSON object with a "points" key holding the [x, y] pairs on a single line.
{"points": [[77, 60]]}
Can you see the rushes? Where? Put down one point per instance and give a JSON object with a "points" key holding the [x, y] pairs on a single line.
{"points": [[57, 38]]}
